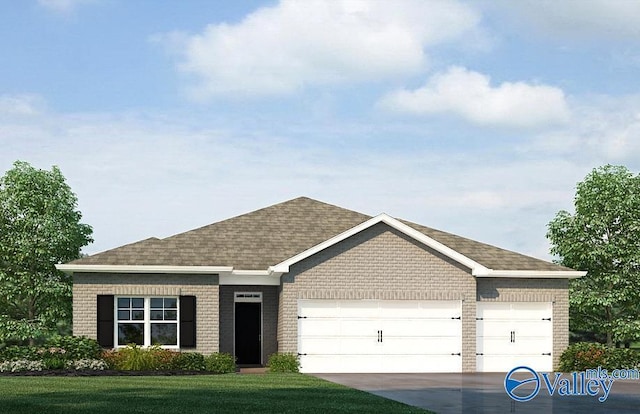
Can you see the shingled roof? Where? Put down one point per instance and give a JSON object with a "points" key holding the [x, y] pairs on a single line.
{"points": [[265, 237]]}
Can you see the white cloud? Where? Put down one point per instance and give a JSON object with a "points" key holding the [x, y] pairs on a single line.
{"points": [[578, 19], [470, 95], [63, 6], [296, 44], [604, 130], [21, 104]]}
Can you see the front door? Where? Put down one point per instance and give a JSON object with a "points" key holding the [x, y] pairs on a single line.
{"points": [[248, 333]]}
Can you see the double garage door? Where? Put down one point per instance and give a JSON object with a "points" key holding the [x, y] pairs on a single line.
{"points": [[385, 336], [363, 336]]}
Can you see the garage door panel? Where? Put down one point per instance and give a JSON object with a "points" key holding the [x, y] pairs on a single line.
{"points": [[324, 308], [338, 346], [340, 327], [495, 363], [493, 310], [340, 363], [533, 345], [494, 328], [422, 363], [426, 327], [357, 308], [421, 345], [432, 309], [495, 346], [527, 326], [540, 363]]}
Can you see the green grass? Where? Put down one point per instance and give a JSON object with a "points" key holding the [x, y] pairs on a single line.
{"points": [[231, 393]]}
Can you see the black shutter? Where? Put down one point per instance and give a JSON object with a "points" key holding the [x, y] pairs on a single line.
{"points": [[105, 321], [187, 321]]}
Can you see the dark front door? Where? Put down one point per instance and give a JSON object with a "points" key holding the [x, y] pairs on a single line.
{"points": [[248, 327]]}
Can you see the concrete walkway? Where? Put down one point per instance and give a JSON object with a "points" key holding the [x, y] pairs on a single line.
{"points": [[483, 393]]}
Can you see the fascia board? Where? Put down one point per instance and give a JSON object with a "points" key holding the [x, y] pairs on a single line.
{"points": [[532, 274], [71, 268], [283, 267]]}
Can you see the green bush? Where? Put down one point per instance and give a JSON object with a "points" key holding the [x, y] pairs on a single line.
{"points": [[583, 355], [112, 357], [19, 352], [190, 361], [135, 358], [622, 358], [283, 363], [76, 347], [220, 363], [588, 355], [163, 359]]}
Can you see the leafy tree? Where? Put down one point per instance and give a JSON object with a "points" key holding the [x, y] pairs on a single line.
{"points": [[39, 227], [603, 238]]}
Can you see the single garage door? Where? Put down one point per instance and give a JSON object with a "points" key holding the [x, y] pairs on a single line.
{"points": [[366, 336], [513, 334]]}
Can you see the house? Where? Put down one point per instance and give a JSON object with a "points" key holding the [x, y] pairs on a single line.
{"points": [[346, 291]]}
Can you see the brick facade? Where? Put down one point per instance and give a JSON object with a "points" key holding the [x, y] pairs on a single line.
{"points": [[87, 286]]}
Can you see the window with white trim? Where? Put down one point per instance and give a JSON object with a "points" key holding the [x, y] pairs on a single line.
{"points": [[147, 321]]}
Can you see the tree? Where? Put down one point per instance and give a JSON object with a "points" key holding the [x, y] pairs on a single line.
{"points": [[603, 238], [39, 227]]}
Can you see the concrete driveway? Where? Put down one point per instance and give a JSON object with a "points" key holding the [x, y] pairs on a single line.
{"points": [[483, 393]]}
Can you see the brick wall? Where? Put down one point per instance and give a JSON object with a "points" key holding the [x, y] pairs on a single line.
{"points": [[555, 291], [378, 263], [87, 286], [269, 318]]}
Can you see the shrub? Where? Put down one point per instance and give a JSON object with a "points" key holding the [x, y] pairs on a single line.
{"points": [[87, 364], [16, 352], [112, 358], [190, 361], [286, 362], [163, 359], [21, 365], [135, 358], [220, 363], [583, 355], [621, 358], [76, 347]]}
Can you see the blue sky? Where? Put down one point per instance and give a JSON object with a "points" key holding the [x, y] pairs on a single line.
{"points": [[476, 118]]}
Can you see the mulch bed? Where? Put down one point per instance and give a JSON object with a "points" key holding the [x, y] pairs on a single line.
{"points": [[96, 373]]}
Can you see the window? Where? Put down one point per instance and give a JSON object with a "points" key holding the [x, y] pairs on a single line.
{"points": [[147, 321]]}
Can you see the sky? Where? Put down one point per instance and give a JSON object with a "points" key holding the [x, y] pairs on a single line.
{"points": [[473, 117]]}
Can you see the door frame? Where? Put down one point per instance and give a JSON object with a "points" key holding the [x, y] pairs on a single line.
{"points": [[249, 297]]}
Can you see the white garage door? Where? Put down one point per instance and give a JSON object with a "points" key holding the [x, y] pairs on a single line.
{"points": [[514, 334], [379, 336]]}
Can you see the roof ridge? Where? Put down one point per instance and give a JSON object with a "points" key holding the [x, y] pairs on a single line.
{"points": [[273, 207]]}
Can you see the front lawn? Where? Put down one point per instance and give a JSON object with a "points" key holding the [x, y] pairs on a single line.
{"points": [[230, 393]]}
